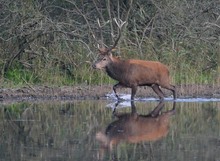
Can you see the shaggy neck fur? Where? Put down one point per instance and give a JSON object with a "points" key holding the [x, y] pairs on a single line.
{"points": [[116, 69]]}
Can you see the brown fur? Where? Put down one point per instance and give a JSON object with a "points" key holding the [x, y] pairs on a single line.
{"points": [[132, 73], [134, 128]]}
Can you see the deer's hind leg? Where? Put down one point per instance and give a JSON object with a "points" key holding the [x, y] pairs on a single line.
{"points": [[158, 91], [171, 88]]}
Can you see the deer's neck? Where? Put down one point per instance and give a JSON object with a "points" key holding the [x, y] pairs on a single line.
{"points": [[116, 69]]}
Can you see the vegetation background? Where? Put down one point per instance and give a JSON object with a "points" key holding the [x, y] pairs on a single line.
{"points": [[54, 42]]}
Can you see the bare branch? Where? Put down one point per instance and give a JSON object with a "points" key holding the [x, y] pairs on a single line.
{"points": [[212, 24], [100, 26]]}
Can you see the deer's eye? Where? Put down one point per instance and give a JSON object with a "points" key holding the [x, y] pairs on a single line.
{"points": [[104, 59]]}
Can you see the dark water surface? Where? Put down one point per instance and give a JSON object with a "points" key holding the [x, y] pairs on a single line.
{"points": [[58, 131]]}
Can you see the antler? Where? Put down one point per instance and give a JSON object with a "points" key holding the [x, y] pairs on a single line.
{"points": [[120, 25]]}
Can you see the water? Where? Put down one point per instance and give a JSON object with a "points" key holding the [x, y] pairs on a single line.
{"points": [[68, 130], [127, 97]]}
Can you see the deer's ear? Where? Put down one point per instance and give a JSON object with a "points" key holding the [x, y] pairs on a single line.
{"points": [[102, 51]]}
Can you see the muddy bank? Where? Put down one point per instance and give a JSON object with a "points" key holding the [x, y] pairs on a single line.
{"points": [[39, 93]]}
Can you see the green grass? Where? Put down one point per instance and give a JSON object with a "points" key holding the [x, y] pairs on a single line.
{"points": [[17, 77], [197, 65]]}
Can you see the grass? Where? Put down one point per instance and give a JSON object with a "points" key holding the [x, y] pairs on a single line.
{"points": [[186, 74], [187, 64]]}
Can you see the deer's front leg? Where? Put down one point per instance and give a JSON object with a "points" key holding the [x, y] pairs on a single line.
{"points": [[116, 86]]}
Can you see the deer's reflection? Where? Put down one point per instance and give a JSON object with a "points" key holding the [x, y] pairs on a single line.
{"points": [[133, 127]]}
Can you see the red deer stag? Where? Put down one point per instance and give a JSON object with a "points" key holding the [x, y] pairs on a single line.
{"points": [[132, 73], [135, 128]]}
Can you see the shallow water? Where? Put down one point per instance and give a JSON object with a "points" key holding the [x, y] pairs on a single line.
{"points": [[127, 97], [68, 131]]}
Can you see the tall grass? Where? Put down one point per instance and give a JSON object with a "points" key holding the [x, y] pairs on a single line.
{"points": [[62, 66]]}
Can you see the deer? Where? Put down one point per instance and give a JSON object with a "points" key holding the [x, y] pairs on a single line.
{"points": [[132, 73], [135, 128]]}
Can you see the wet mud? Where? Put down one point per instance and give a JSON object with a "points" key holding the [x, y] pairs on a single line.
{"points": [[80, 92]]}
